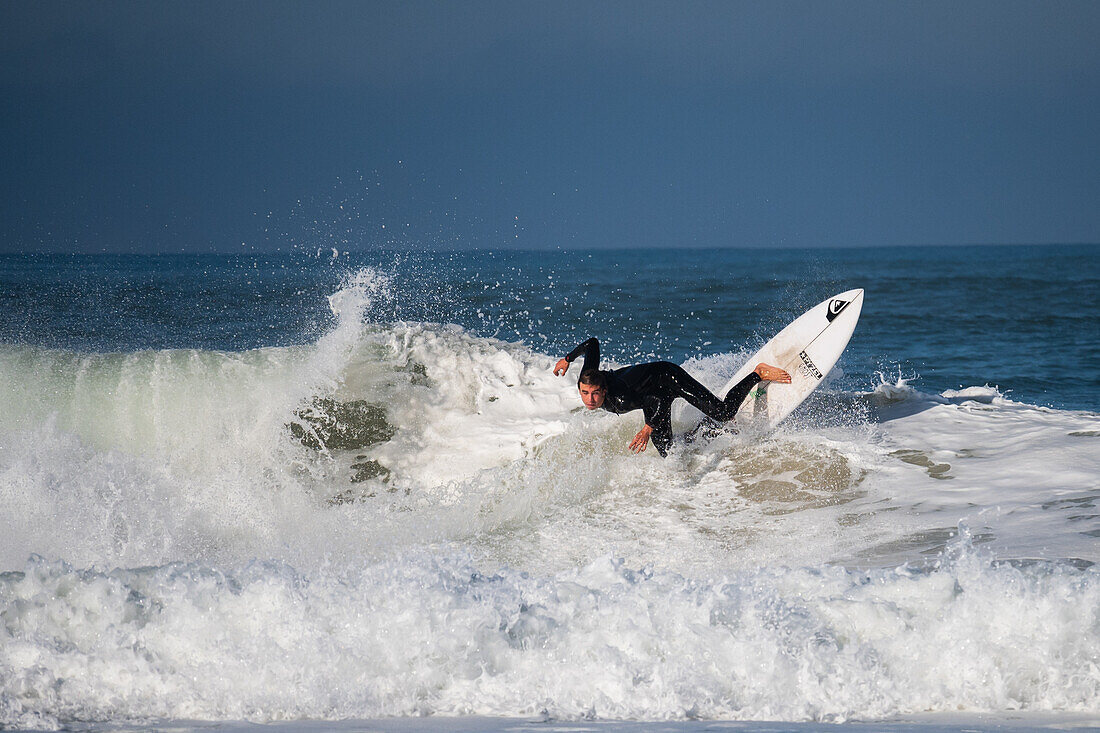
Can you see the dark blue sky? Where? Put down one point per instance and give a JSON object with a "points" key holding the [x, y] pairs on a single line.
{"points": [[196, 126]]}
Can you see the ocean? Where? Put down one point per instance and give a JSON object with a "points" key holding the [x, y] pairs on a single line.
{"points": [[323, 488]]}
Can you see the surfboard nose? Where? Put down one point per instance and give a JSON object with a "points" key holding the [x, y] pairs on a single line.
{"points": [[850, 295]]}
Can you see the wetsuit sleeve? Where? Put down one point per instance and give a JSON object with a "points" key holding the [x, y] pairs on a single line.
{"points": [[591, 350], [658, 415], [658, 412]]}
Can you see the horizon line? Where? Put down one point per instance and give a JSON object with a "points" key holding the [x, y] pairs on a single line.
{"points": [[325, 250]]}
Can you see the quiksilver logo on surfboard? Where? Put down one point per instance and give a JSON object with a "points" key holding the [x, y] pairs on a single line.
{"points": [[835, 307]]}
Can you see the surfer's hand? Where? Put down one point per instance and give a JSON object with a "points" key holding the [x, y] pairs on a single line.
{"points": [[770, 373], [641, 440], [561, 367]]}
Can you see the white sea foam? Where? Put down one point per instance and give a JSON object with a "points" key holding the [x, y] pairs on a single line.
{"points": [[201, 547], [436, 635]]}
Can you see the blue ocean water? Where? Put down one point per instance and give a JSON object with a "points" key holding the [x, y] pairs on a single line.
{"points": [[341, 486], [1021, 318]]}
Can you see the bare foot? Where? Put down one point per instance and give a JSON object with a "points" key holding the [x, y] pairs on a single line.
{"points": [[770, 373]]}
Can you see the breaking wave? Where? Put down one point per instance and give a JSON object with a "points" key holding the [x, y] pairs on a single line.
{"points": [[404, 518]]}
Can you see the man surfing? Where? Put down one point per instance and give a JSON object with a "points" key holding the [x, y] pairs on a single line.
{"points": [[651, 388]]}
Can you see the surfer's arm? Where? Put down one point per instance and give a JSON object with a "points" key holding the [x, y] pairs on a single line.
{"points": [[658, 417], [657, 411], [641, 440], [591, 350]]}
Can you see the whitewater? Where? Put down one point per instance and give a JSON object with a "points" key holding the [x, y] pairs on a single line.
{"points": [[401, 517]]}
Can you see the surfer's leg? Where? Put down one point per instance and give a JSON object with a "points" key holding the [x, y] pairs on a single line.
{"points": [[681, 384], [762, 373], [740, 391]]}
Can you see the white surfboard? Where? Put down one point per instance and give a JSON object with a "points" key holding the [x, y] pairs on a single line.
{"points": [[807, 349]]}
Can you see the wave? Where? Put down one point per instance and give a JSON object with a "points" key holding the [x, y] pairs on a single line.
{"points": [[157, 456], [405, 517], [386, 435], [438, 635]]}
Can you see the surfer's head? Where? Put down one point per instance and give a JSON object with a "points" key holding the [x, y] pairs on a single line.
{"points": [[593, 388]]}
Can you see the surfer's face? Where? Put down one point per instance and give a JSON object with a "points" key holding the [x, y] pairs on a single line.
{"points": [[591, 395]]}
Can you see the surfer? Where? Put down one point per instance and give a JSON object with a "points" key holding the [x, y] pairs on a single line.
{"points": [[651, 388]]}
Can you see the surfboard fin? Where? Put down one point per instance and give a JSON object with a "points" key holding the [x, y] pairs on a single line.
{"points": [[707, 430]]}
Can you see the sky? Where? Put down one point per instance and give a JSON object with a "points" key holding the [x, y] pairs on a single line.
{"points": [[256, 126]]}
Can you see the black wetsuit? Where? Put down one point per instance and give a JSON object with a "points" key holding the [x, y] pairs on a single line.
{"points": [[652, 387]]}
